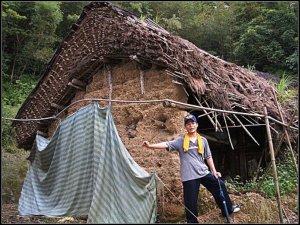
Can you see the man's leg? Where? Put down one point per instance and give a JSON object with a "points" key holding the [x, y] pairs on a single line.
{"points": [[190, 195], [212, 185]]}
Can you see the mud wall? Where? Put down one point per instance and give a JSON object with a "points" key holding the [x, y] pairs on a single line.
{"points": [[137, 122]]}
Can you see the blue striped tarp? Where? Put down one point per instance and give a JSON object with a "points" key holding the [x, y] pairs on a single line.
{"points": [[85, 169]]}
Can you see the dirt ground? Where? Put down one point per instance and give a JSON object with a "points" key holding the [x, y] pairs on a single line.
{"points": [[254, 209]]}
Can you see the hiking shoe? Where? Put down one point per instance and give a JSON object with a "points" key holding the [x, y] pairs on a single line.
{"points": [[236, 208]]}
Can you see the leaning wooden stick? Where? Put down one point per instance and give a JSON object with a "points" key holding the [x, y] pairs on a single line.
{"points": [[271, 149], [276, 152], [228, 132], [286, 133]]}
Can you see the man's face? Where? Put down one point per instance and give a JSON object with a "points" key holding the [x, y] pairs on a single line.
{"points": [[191, 126]]}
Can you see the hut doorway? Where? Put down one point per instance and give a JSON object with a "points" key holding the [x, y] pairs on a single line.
{"points": [[248, 153]]}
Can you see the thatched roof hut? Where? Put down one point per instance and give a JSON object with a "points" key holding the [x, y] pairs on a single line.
{"points": [[110, 53]]}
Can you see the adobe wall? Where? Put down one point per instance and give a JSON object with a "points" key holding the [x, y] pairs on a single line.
{"points": [[137, 122]]}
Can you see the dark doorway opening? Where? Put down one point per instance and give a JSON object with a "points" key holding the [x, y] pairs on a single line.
{"points": [[242, 161]]}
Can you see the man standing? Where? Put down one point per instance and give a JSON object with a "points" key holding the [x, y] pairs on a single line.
{"points": [[193, 150]]}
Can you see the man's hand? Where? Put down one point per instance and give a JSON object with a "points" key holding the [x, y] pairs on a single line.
{"points": [[217, 174], [146, 144]]}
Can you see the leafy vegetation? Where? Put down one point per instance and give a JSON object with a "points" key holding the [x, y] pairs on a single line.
{"points": [[287, 178], [13, 96], [14, 169], [284, 92]]}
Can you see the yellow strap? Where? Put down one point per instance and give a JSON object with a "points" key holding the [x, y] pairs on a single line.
{"points": [[186, 143]]}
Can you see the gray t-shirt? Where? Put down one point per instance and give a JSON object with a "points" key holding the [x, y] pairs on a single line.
{"points": [[192, 165]]}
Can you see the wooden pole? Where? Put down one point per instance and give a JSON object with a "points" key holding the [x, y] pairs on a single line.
{"points": [[258, 166], [285, 131], [228, 131], [108, 70], [217, 122], [210, 119], [271, 149], [142, 81], [167, 103], [246, 129], [276, 152]]}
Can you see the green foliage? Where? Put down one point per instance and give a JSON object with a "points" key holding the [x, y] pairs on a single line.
{"points": [[7, 132], [292, 61], [71, 12], [15, 93], [13, 96], [29, 38], [287, 178], [251, 67], [269, 38], [14, 169], [172, 24], [284, 92]]}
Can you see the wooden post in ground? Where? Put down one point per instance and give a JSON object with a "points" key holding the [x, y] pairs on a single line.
{"points": [[276, 152], [271, 149], [286, 133]]}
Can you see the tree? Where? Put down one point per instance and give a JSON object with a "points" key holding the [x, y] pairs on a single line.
{"points": [[29, 36], [71, 12], [269, 40], [41, 44], [15, 33]]}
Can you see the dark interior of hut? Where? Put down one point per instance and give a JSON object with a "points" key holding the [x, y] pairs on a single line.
{"points": [[241, 159]]}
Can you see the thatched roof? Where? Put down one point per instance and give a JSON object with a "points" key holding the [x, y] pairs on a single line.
{"points": [[105, 33]]}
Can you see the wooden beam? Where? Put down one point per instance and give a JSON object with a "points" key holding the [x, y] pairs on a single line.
{"points": [[78, 83], [142, 81], [285, 131], [216, 121], [275, 177], [246, 129], [109, 78], [56, 106], [228, 132], [276, 152], [210, 119], [195, 107], [75, 86], [42, 133]]}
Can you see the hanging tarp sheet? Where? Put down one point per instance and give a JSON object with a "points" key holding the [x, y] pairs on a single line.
{"points": [[85, 169]]}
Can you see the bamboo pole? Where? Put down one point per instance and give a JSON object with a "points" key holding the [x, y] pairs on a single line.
{"points": [[210, 119], [142, 81], [248, 120], [246, 129], [285, 131], [216, 121], [258, 166], [231, 121], [205, 114], [276, 152], [271, 149], [108, 69], [187, 94], [167, 102], [228, 132]]}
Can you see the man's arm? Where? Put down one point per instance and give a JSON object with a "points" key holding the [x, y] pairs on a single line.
{"points": [[211, 165], [161, 145]]}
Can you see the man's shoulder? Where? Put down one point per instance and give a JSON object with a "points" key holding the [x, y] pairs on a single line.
{"points": [[180, 138], [203, 138]]}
